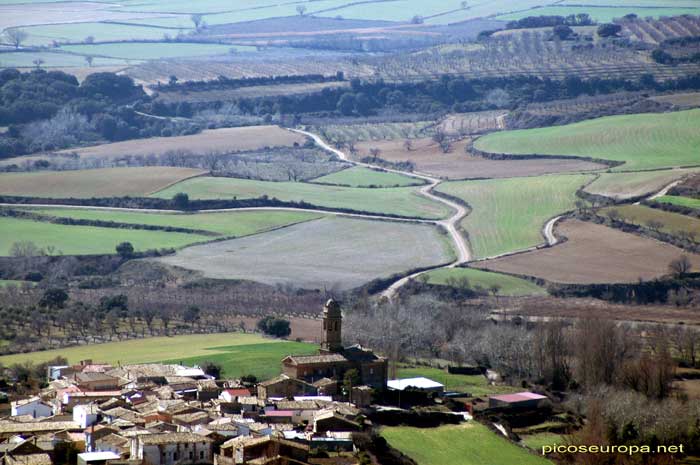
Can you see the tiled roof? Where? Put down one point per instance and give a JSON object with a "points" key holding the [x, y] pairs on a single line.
{"points": [[313, 359], [172, 438], [39, 426]]}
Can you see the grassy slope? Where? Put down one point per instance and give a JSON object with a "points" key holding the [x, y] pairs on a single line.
{"points": [[645, 141], [465, 444], [153, 51], [107, 182], [510, 285], [235, 224], [508, 214], [85, 240], [402, 201], [536, 441], [360, 176], [476, 385], [239, 354], [672, 222], [679, 200]]}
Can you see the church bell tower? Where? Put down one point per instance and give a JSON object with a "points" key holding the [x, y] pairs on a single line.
{"points": [[332, 327]]}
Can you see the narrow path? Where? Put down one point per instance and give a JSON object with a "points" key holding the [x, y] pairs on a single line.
{"points": [[451, 224]]}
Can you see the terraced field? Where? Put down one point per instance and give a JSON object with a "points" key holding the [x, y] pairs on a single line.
{"points": [[332, 253], [476, 385], [402, 201], [641, 141], [507, 285], [359, 176], [605, 14], [671, 222], [680, 201], [509, 214], [108, 182], [465, 444]]}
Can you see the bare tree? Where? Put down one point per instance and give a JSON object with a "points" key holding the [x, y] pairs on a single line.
{"points": [[614, 215], [16, 36], [88, 60], [38, 62], [196, 20], [655, 225], [301, 9], [408, 145], [375, 152], [680, 266]]}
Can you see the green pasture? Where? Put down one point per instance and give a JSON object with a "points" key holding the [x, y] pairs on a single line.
{"points": [[153, 50], [680, 201], [100, 32], [509, 214], [641, 141], [509, 285], [359, 176], [465, 444], [476, 385], [539, 440], [403, 201], [238, 353], [13, 282], [605, 14]]}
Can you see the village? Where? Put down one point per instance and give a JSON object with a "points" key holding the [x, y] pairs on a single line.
{"points": [[320, 410]]}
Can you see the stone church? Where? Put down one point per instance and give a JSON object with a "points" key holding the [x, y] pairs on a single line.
{"points": [[333, 360]]}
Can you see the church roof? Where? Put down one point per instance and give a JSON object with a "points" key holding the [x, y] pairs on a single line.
{"points": [[314, 359]]}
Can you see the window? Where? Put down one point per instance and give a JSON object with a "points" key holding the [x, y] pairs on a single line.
{"points": [[191, 455], [201, 454]]}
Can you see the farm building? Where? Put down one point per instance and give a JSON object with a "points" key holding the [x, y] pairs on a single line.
{"points": [[518, 400], [421, 383]]}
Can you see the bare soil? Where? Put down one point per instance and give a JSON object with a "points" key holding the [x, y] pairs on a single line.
{"points": [[219, 140], [593, 254], [429, 158]]}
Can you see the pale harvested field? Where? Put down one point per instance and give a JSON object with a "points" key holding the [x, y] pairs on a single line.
{"points": [[108, 182], [623, 186], [684, 100], [593, 254], [219, 140], [335, 253], [457, 164]]}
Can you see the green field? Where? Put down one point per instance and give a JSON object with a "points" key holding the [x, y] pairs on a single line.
{"points": [[86, 240], [509, 285], [508, 214], [466, 444], [83, 240], [360, 176], [476, 385], [12, 282], [679, 200], [671, 222], [229, 224], [238, 353], [403, 201], [644, 141], [101, 32], [604, 14], [153, 50], [627, 185], [52, 60]]}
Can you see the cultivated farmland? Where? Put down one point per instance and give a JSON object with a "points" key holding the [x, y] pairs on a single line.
{"points": [[258, 355], [643, 141], [670, 222], [465, 444], [681, 201], [359, 176], [215, 140], [604, 13], [593, 254], [154, 50], [508, 285], [509, 214], [402, 201], [427, 157], [623, 186], [108, 182], [340, 253]]}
